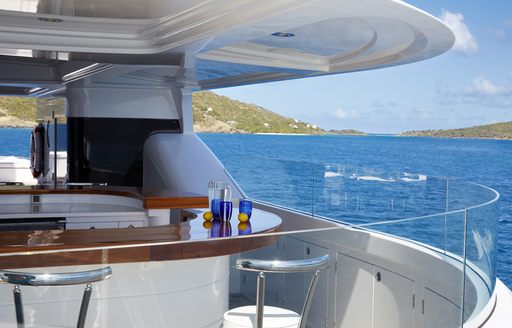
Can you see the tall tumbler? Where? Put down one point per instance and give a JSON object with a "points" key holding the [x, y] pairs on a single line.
{"points": [[218, 190]]}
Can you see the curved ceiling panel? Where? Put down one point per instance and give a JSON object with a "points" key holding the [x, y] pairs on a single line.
{"points": [[325, 38]]}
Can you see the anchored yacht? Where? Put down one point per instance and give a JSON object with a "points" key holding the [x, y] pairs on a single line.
{"points": [[110, 231]]}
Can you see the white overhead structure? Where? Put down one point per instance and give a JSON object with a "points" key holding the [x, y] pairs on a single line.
{"points": [[216, 43]]}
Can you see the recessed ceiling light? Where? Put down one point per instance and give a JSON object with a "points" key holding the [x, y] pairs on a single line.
{"points": [[50, 20], [283, 34]]}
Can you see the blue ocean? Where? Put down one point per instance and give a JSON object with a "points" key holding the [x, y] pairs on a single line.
{"points": [[298, 172]]}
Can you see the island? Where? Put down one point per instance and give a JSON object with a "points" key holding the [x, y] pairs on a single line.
{"points": [[501, 131]]}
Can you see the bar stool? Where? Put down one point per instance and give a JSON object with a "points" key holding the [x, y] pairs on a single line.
{"points": [[260, 316], [54, 279]]}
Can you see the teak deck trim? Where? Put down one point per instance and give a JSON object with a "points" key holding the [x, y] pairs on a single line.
{"points": [[145, 253]]}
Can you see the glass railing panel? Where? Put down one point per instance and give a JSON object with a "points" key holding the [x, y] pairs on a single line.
{"points": [[443, 233], [434, 212], [461, 194], [481, 248], [454, 230], [481, 241], [284, 183], [359, 195]]}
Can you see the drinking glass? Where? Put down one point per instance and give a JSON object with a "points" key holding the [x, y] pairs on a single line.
{"points": [[215, 208], [226, 209], [218, 190], [245, 206]]}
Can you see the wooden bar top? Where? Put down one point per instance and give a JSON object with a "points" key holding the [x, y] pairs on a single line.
{"points": [[195, 238], [151, 198]]}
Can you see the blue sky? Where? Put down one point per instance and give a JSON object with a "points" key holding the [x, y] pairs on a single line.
{"points": [[469, 85]]}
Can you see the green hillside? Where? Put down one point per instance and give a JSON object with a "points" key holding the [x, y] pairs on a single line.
{"points": [[24, 111], [214, 113], [211, 113], [17, 112], [490, 131], [22, 108]]}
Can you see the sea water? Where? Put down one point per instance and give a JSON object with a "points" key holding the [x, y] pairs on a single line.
{"points": [[290, 160]]}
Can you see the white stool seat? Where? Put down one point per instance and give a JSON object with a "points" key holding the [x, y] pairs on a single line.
{"points": [[273, 317]]}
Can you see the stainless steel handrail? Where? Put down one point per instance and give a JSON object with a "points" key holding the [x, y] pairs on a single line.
{"points": [[278, 266], [55, 279]]}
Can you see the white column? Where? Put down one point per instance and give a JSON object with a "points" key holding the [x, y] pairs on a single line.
{"points": [[118, 102], [186, 111]]}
